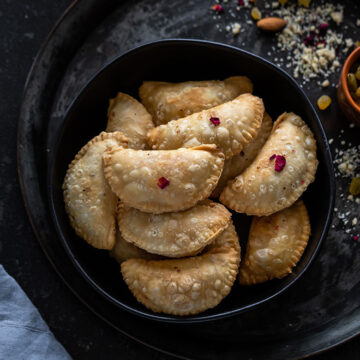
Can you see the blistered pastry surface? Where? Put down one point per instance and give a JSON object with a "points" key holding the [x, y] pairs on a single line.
{"points": [[89, 201], [129, 116], [260, 189], [230, 126], [275, 244], [175, 234], [189, 285], [238, 163], [171, 101], [134, 176], [124, 250]]}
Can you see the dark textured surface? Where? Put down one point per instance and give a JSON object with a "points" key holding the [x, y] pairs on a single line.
{"points": [[83, 334]]}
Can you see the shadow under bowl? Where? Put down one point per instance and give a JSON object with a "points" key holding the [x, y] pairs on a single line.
{"points": [[182, 60]]}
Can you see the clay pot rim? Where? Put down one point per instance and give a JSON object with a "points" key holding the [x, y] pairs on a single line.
{"points": [[352, 58]]}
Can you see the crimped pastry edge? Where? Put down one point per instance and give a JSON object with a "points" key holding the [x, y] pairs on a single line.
{"points": [[247, 278], [159, 209], [190, 251], [102, 136], [232, 269], [235, 205]]}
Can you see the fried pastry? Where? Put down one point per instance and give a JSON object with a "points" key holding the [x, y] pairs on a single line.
{"points": [[123, 250], [281, 172], [129, 116], [238, 163], [227, 238], [231, 126], [89, 201], [163, 181], [185, 286], [170, 101], [275, 245], [175, 234]]}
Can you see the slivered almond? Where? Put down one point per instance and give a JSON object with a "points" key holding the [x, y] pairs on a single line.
{"points": [[271, 24]]}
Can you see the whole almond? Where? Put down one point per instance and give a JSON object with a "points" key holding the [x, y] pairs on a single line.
{"points": [[271, 24]]}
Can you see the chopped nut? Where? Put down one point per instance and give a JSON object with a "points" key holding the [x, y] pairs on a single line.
{"points": [[235, 28], [337, 16]]}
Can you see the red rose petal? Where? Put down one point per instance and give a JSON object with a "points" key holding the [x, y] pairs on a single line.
{"points": [[215, 121], [355, 238], [323, 29], [218, 8], [163, 182], [277, 227], [280, 163], [272, 157], [320, 42]]}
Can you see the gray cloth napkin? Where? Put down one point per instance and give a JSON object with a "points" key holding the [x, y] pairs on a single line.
{"points": [[23, 333]]}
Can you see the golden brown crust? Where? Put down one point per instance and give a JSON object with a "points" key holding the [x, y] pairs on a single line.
{"points": [[260, 190], [275, 245], [228, 238], [123, 250], [185, 286], [238, 163], [171, 101], [134, 176], [240, 120], [175, 234], [89, 201], [129, 116]]}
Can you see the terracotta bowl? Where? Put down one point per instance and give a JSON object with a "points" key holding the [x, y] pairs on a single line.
{"points": [[346, 102]]}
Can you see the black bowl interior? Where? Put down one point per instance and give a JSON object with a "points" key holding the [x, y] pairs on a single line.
{"points": [[181, 60]]}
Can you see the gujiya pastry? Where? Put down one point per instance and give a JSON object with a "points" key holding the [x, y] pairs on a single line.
{"points": [[141, 190]]}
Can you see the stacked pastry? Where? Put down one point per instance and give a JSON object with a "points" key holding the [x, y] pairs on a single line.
{"points": [[142, 191]]}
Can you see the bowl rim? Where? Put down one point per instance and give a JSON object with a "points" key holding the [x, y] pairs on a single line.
{"points": [[349, 62], [200, 318]]}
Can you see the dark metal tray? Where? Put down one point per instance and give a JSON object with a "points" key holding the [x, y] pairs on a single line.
{"points": [[319, 311]]}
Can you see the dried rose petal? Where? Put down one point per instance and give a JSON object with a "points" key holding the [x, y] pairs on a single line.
{"points": [[322, 29], [309, 40], [272, 157], [218, 8], [241, 2], [320, 42], [277, 227], [215, 121], [280, 162], [302, 181], [355, 238], [163, 182]]}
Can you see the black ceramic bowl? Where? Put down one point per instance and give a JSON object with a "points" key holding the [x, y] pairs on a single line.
{"points": [[181, 60]]}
